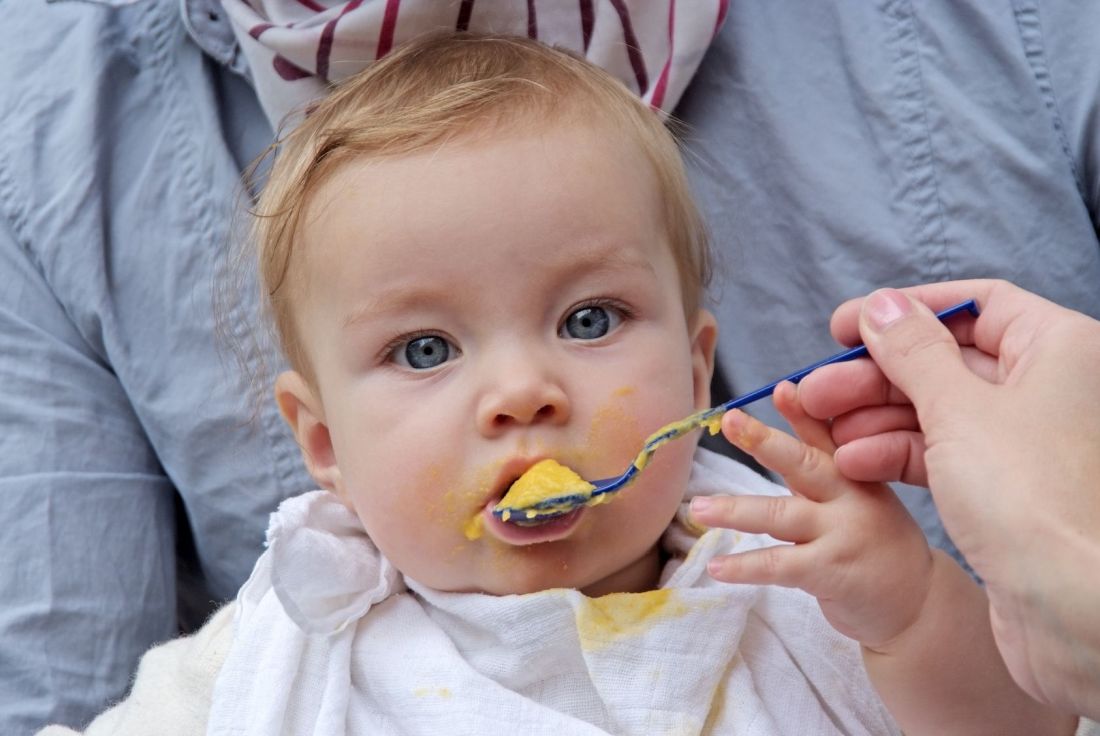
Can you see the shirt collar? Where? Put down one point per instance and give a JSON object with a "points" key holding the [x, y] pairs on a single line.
{"points": [[209, 26]]}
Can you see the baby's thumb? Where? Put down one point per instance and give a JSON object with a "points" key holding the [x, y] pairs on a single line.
{"points": [[915, 352]]}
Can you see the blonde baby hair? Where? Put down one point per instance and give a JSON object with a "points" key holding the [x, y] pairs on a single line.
{"points": [[432, 90]]}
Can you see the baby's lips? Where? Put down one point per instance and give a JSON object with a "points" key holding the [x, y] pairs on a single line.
{"points": [[552, 530]]}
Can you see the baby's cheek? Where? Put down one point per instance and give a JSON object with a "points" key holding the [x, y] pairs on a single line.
{"points": [[614, 435]]}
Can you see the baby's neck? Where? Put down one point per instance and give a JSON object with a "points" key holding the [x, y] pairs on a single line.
{"points": [[638, 577]]}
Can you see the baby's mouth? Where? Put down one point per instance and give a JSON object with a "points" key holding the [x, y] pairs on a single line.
{"points": [[547, 490], [519, 529], [519, 532]]}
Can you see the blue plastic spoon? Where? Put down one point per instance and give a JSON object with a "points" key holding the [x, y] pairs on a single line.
{"points": [[554, 506]]}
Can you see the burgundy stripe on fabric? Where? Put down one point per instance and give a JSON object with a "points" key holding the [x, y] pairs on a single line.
{"points": [[532, 20], [389, 23], [287, 69], [637, 62], [324, 48], [465, 10], [662, 81], [258, 30], [588, 20], [723, 8], [313, 5]]}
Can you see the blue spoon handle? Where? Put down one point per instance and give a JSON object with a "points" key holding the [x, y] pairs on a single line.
{"points": [[851, 354]]}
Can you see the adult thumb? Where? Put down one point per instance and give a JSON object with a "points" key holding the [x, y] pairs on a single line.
{"points": [[915, 351]]}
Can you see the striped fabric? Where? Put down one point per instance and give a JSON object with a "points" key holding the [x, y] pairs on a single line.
{"points": [[296, 47]]}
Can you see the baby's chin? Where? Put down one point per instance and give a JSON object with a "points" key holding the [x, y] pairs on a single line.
{"points": [[635, 576]]}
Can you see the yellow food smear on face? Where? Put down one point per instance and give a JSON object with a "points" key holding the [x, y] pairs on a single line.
{"points": [[607, 618], [545, 479], [474, 527]]}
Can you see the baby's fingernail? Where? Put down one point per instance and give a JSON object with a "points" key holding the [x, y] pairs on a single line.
{"points": [[886, 306], [700, 503], [738, 427]]}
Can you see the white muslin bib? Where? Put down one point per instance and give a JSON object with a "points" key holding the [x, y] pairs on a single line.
{"points": [[330, 639]]}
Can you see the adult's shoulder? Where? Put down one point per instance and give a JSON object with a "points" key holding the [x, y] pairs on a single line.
{"points": [[78, 86], [61, 60]]}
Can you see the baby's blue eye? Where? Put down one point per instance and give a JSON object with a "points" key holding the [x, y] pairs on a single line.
{"points": [[590, 323], [427, 352]]}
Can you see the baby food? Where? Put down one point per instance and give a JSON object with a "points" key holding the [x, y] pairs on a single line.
{"points": [[544, 480]]}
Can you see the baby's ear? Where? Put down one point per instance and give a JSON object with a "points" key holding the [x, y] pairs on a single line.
{"points": [[302, 410], [704, 337]]}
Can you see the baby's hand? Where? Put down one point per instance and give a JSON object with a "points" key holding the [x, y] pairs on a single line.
{"points": [[855, 547]]}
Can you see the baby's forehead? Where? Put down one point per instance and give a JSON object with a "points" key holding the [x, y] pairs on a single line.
{"points": [[369, 197], [560, 138]]}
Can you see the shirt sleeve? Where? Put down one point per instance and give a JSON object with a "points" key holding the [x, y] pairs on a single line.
{"points": [[138, 462], [86, 516]]}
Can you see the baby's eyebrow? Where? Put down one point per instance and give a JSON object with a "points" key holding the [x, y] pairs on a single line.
{"points": [[391, 301], [603, 258]]}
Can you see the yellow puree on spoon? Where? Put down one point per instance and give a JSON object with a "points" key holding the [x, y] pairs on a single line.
{"points": [[548, 478], [545, 479]]}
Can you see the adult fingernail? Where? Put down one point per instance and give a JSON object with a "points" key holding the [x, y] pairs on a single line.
{"points": [[886, 306]]}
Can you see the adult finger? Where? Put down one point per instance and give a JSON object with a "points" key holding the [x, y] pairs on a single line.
{"points": [[884, 458], [844, 324], [874, 420], [834, 390], [1004, 308], [917, 354]]}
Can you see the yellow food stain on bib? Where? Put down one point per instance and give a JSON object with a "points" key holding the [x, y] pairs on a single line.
{"points": [[545, 479], [600, 621], [424, 692]]}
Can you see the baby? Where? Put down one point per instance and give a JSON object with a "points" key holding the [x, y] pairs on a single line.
{"points": [[479, 254]]}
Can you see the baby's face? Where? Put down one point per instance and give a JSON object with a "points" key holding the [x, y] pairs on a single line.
{"points": [[474, 309]]}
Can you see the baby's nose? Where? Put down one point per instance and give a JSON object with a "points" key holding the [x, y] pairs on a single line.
{"points": [[526, 396]]}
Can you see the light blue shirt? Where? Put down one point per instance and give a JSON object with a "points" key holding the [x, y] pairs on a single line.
{"points": [[135, 482], [836, 147]]}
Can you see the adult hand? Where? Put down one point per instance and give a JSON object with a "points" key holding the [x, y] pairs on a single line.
{"points": [[1000, 418]]}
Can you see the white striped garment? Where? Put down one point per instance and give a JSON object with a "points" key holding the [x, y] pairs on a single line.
{"points": [[295, 48]]}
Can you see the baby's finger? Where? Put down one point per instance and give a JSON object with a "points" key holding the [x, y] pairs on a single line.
{"points": [[787, 518], [813, 432], [789, 565], [807, 470]]}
